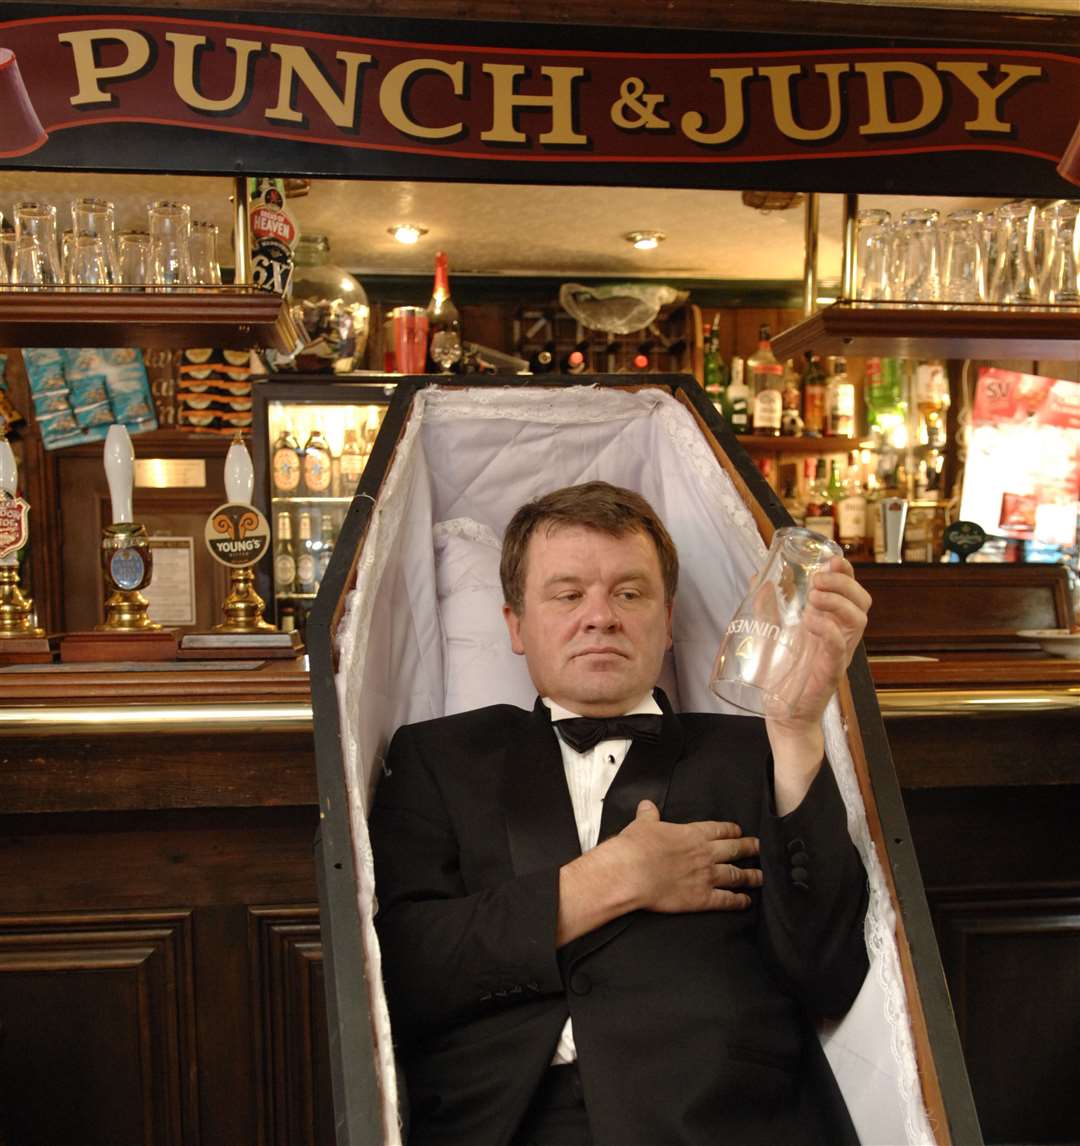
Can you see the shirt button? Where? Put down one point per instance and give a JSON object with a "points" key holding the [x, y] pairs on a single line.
{"points": [[610, 759]]}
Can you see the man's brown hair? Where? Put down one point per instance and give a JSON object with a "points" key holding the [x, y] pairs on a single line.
{"points": [[595, 505]]}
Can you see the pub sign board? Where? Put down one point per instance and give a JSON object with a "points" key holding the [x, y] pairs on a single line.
{"points": [[118, 89]]}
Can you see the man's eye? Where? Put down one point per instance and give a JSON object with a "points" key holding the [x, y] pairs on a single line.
{"points": [[569, 595], [629, 594]]}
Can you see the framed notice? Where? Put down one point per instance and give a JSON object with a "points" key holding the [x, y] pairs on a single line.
{"points": [[171, 591]]}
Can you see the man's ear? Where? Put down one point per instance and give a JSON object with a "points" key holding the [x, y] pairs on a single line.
{"points": [[513, 625], [669, 609]]}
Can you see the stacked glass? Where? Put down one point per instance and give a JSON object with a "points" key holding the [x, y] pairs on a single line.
{"points": [[1021, 255]]}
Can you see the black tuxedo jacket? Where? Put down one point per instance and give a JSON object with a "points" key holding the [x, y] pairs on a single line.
{"points": [[692, 1029]]}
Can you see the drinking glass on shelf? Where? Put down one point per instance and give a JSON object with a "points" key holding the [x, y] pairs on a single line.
{"points": [[205, 268], [1012, 279], [410, 325], [917, 259], [1060, 283], [134, 258], [36, 259], [170, 254], [764, 660], [92, 216], [87, 265], [963, 259], [872, 253]]}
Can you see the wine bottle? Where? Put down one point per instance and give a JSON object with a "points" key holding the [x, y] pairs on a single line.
{"points": [[444, 323]]}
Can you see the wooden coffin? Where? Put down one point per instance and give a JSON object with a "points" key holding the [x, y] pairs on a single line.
{"points": [[386, 644]]}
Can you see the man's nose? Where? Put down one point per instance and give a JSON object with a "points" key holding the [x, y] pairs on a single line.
{"points": [[600, 613]]}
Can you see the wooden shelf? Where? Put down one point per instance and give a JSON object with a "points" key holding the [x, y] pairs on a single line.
{"points": [[230, 317], [896, 330], [760, 444]]}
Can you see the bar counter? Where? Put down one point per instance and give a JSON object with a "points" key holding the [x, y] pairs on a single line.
{"points": [[160, 891]]}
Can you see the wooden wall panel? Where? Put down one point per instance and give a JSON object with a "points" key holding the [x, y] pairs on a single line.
{"points": [[1002, 875], [1000, 954], [291, 1040], [99, 1029]]}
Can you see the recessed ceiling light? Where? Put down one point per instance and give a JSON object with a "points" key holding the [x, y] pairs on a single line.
{"points": [[645, 240], [407, 233]]}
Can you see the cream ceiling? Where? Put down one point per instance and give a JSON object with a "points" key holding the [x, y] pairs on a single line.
{"points": [[502, 229]]}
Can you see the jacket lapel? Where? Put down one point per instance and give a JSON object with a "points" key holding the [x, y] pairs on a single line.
{"points": [[645, 773], [539, 815]]}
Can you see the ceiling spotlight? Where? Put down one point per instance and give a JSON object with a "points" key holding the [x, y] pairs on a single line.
{"points": [[645, 240], [407, 233]]}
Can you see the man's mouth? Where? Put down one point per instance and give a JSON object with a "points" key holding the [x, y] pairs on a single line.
{"points": [[601, 652]]}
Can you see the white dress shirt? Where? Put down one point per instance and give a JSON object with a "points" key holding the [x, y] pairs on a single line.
{"points": [[588, 776]]}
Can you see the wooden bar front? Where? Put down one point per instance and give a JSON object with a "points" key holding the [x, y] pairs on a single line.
{"points": [[160, 958]]}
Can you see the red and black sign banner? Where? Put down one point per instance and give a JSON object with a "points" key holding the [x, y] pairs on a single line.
{"points": [[279, 97]]}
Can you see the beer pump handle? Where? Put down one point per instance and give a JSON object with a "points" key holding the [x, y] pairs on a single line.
{"points": [[9, 472], [239, 473], [119, 471]]}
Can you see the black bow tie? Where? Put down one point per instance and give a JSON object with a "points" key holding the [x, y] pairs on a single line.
{"points": [[582, 732]]}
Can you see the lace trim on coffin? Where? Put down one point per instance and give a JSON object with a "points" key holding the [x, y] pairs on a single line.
{"points": [[589, 404]]}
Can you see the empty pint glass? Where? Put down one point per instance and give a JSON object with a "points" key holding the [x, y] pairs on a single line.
{"points": [[764, 660], [36, 261]]}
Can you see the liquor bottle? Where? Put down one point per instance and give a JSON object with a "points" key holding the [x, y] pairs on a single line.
{"points": [[711, 368], [317, 467], [813, 398], [738, 399], [791, 422], [793, 503], [444, 323], [305, 554], [326, 546], [765, 379], [285, 465], [851, 511], [819, 506], [932, 400], [284, 556], [350, 464], [840, 402]]}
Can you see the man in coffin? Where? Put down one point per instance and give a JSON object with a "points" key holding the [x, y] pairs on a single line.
{"points": [[603, 922]]}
